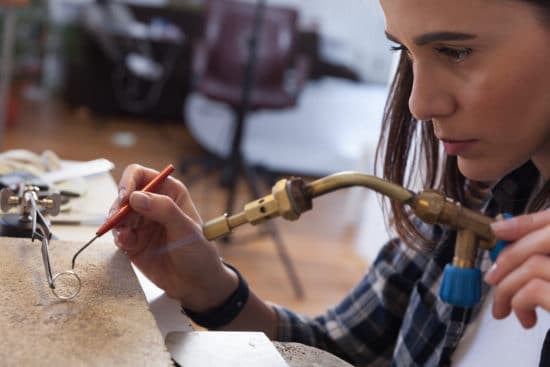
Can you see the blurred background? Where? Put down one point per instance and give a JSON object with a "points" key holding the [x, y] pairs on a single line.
{"points": [[235, 94]]}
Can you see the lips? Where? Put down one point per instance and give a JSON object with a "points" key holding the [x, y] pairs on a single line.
{"points": [[457, 147]]}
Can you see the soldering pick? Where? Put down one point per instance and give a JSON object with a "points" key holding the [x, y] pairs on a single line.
{"points": [[113, 220]]}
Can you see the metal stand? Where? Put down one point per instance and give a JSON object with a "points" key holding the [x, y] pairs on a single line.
{"points": [[12, 225], [237, 164]]}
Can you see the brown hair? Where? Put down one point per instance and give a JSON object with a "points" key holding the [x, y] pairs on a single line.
{"points": [[542, 9], [409, 147]]}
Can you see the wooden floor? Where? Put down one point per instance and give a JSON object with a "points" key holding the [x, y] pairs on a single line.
{"points": [[320, 246]]}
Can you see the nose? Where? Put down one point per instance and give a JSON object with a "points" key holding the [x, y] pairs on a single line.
{"points": [[431, 96]]}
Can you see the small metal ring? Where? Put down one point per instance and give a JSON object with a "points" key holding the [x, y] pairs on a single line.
{"points": [[71, 295]]}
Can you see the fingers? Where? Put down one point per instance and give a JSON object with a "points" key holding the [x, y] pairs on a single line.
{"points": [[520, 289], [521, 273], [125, 239], [135, 177], [516, 254], [534, 294], [163, 210], [517, 227]]}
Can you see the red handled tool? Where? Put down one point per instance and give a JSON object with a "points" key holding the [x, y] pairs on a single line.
{"points": [[113, 220]]}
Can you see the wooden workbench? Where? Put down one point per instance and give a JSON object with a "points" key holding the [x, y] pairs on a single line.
{"points": [[107, 324]]}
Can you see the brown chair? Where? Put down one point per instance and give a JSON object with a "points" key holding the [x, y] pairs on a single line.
{"points": [[247, 60]]}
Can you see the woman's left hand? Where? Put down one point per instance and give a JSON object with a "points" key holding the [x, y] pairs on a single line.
{"points": [[521, 273]]}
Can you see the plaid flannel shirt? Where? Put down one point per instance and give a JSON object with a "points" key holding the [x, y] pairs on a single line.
{"points": [[394, 316]]}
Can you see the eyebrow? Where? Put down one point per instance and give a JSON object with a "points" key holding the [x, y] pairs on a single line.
{"points": [[430, 37]]}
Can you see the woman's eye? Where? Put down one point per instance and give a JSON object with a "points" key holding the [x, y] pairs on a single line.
{"points": [[398, 48], [455, 54], [401, 48]]}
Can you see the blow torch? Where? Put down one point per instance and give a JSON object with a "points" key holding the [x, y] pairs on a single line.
{"points": [[291, 197]]}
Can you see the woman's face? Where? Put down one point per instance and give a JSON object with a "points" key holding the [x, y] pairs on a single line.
{"points": [[482, 76]]}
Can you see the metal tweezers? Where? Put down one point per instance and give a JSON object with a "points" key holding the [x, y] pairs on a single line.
{"points": [[41, 231]]}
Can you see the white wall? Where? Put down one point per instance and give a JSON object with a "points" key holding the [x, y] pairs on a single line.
{"points": [[353, 31]]}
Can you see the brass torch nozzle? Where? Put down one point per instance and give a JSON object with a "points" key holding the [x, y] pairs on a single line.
{"points": [[434, 208], [289, 198], [473, 228]]}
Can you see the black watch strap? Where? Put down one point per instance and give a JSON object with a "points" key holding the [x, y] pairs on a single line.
{"points": [[227, 311]]}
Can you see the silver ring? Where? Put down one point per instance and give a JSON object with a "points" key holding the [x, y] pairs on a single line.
{"points": [[71, 295]]}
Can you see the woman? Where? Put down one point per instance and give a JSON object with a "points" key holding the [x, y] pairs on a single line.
{"points": [[473, 78]]}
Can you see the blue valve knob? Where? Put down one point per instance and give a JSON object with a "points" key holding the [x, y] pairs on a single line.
{"points": [[461, 286], [495, 251]]}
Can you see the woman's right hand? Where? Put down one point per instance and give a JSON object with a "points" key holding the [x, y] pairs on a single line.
{"points": [[163, 237]]}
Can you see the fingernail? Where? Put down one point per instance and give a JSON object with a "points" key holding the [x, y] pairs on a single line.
{"points": [[497, 226], [491, 275], [121, 195], [507, 224], [140, 200]]}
